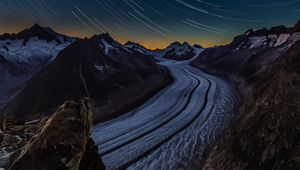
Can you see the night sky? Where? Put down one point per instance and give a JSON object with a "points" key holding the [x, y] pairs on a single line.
{"points": [[153, 23]]}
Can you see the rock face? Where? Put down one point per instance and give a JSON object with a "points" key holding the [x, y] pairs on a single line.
{"points": [[267, 134], [62, 142]]}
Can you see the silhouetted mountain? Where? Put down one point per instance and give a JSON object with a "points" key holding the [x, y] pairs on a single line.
{"points": [[115, 78]]}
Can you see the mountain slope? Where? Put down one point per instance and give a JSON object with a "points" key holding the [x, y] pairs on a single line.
{"points": [[100, 68], [267, 136], [265, 65], [22, 55]]}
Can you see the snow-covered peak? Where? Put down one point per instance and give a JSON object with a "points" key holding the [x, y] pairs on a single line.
{"points": [[22, 55], [174, 45], [33, 46], [131, 44], [178, 47], [184, 51], [269, 40], [137, 47], [278, 37], [42, 33]]}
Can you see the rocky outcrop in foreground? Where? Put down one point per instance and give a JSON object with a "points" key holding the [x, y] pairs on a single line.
{"points": [[61, 142]]}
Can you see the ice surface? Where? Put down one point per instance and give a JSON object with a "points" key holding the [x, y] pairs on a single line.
{"points": [[177, 124]]}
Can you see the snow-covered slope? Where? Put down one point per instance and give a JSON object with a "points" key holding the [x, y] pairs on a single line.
{"points": [[24, 54]]}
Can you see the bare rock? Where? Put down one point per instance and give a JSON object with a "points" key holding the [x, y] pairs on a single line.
{"points": [[61, 142]]}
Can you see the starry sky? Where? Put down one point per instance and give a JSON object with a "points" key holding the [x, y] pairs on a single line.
{"points": [[153, 23]]}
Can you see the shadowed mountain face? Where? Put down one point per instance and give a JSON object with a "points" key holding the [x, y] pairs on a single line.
{"points": [[24, 54], [265, 64], [115, 78], [267, 136]]}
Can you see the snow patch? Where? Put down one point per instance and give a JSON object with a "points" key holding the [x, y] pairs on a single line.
{"points": [[257, 41], [99, 67], [294, 37], [106, 46], [33, 50], [282, 39], [126, 49]]}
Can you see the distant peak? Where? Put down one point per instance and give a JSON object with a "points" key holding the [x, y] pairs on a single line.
{"points": [[130, 43], [186, 44], [104, 36], [248, 32], [197, 46], [178, 44], [296, 27], [175, 43], [36, 27]]}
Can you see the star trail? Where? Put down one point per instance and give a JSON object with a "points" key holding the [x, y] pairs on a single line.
{"points": [[153, 23]]}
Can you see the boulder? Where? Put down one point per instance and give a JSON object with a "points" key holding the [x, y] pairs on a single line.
{"points": [[62, 142]]}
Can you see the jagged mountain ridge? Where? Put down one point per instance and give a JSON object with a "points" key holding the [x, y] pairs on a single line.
{"points": [[175, 51], [23, 54], [248, 54], [42, 33]]}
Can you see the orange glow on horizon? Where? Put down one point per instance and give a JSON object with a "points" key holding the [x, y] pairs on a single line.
{"points": [[151, 44]]}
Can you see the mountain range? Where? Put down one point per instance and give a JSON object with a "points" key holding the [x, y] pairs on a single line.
{"points": [[41, 69]]}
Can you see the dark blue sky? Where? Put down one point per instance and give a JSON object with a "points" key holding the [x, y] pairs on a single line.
{"points": [[154, 23]]}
